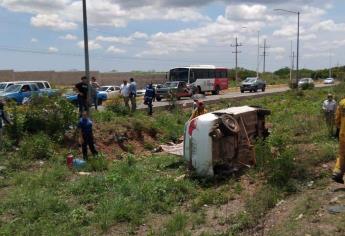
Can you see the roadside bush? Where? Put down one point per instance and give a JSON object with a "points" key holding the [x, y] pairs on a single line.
{"points": [[117, 106], [38, 146], [53, 116], [307, 86]]}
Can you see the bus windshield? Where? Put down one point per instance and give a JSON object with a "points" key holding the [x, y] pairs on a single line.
{"points": [[179, 74]]}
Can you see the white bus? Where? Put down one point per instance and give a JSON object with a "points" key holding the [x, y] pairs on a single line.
{"points": [[203, 78]]}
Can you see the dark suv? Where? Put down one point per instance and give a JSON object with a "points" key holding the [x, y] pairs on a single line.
{"points": [[253, 84]]}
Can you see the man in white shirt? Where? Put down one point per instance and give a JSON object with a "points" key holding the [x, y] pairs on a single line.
{"points": [[124, 90], [329, 108]]}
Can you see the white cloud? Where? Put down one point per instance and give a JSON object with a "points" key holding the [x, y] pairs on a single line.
{"points": [[52, 21], [114, 39], [34, 40], [256, 12], [328, 25], [70, 37], [92, 45], [115, 50], [53, 49], [139, 35]]}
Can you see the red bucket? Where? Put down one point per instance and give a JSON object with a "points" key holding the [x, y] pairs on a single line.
{"points": [[69, 160]]}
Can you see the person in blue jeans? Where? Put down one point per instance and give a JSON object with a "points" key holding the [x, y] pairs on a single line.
{"points": [[133, 94], [86, 134], [150, 94]]}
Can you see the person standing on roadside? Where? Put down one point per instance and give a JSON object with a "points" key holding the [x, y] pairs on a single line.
{"points": [[124, 90], [3, 117], [82, 90], [150, 94], [133, 94], [94, 87], [329, 108], [200, 110], [86, 135], [339, 169]]}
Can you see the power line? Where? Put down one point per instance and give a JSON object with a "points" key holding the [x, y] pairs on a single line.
{"points": [[264, 55], [236, 52], [95, 56]]}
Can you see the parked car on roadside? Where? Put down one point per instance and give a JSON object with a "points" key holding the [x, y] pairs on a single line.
{"points": [[72, 97], [329, 81], [109, 90], [177, 88], [141, 92], [44, 86], [5, 85], [253, 84], [20, 92], [305, 82]]}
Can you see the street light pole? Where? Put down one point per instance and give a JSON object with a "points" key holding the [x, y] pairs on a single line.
{"points": [[298, 32], [86, 51], [297, 73]]}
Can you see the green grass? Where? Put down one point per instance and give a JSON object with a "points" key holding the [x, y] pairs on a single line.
{"points": [[49, 199]]}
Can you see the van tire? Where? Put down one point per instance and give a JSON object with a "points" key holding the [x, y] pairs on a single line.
{"points": [[230, 123], [158, 98]]}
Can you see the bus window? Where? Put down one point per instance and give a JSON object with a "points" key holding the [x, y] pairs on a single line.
{"points": [[192, 76], [211, 74], [179, 74]]}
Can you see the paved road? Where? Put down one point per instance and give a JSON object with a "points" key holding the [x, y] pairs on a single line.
{"points": [[228, 95]]}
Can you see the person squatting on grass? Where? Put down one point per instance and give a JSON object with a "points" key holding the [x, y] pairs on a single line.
{"points": [[329, 108], [124, 91], [3, 117], [86, 135], [82, 90], [133, 94], [339, 168], [94, 87], [150, 94], [200, 110]]}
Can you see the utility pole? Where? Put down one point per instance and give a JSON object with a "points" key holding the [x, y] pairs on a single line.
{"points": [[258, 57], [264, 55], [236, 52], [87, 58], [292, 64]]}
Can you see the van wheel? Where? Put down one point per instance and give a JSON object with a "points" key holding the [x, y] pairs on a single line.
{"points": [[158, 99], [230, 123], [263, 88], [242, 91]]}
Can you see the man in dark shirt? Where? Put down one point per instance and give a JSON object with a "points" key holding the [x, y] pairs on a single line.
{"points": [[82, 90], [86, 134]]}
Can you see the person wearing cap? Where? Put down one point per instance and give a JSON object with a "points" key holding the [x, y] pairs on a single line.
{"points": [[200, 110], [86, 135], [329, 108], [150, 94]]}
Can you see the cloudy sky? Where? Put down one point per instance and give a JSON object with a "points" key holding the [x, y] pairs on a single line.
{"points": [[128, 35]]}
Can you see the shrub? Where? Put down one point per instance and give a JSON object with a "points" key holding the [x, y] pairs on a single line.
{"points": [[307, 86], [53, 116], [38, 146], [116, 105]]}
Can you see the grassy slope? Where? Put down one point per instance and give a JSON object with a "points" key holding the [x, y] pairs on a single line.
{"points": [[150, 195]]}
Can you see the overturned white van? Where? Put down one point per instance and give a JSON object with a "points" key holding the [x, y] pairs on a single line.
{"points": [[223, 140]]}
